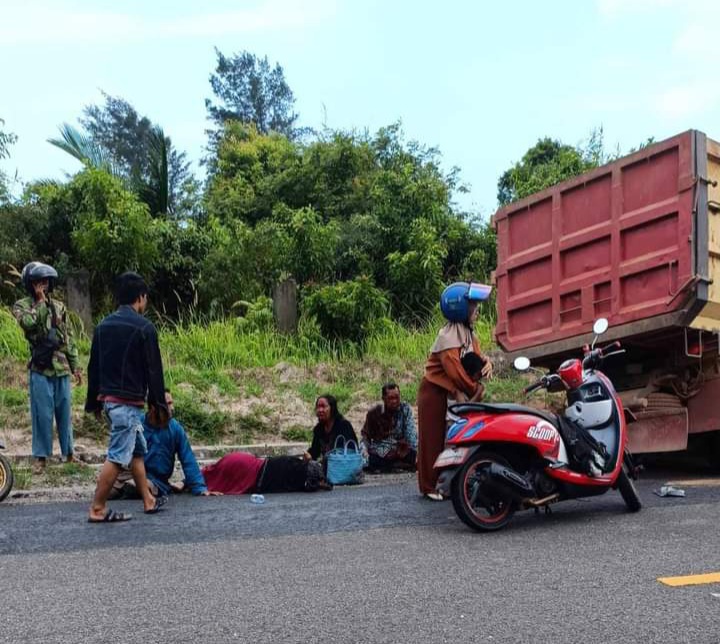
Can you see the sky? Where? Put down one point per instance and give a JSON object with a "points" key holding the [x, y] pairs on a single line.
{"points": [[481, 81]]}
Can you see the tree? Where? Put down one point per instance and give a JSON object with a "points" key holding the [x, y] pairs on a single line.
{"points": [[250, 91], [546, 163], [549, 162], [144, 155], [6, 140], [348, 205], [80, 146]]}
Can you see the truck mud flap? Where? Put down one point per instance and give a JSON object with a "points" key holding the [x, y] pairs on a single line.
{"points": [[660, 431]]}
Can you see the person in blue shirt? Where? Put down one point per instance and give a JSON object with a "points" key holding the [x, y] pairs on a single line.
{"points": [[163, 446]]}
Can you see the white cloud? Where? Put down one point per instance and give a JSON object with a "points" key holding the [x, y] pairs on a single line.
{"points": [[49, 23]]}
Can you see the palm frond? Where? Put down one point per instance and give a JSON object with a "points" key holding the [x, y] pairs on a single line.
{"points": [[84, 149]]}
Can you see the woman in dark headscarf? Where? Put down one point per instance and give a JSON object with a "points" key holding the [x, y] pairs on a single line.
{"points": [[331, 424], [445, 376]]}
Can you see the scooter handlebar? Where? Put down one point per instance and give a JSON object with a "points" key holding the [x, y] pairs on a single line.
{"points": [[539, 384]]}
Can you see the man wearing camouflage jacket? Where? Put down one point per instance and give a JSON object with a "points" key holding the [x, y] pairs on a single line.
{"points": [[54, 359]]}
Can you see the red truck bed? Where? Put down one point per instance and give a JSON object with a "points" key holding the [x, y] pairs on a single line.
{"points": [[628, 241]]}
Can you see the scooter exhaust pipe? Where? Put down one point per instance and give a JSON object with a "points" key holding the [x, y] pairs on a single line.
{"points": [[506, 480]]}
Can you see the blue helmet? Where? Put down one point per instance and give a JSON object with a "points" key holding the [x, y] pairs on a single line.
{"points": [[455, 299]]}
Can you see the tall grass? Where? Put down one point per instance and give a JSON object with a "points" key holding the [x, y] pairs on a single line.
{"points": [[222, 344], [216, 345], [12, 341]]}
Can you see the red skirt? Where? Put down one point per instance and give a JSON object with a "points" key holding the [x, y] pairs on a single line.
{"points": [[234, 473]]}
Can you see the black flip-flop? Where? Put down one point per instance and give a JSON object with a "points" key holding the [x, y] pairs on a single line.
{"points": [[111, 516], [159, 502]]}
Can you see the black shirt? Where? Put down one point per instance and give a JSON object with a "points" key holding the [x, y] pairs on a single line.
{"points": [[125, 360], [323, 442]]}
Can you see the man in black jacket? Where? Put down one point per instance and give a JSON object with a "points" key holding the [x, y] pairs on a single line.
{"points": [[125, 371]]}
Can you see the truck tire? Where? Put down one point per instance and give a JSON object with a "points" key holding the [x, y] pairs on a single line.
{"points": [[628, 491]]}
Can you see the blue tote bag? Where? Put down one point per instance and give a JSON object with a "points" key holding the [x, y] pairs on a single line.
{"points": [[344, 464]]}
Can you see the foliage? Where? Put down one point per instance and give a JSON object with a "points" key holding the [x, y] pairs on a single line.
{"points": [[81, 147], [182, 247], [253, 174], [6, 140], [298, 434], [342, 206], [313, 246], [258, 315], [203, 424], [416, 276], [12, 341], [348, 310], [251, 91], [112, 230], [549, 162], [142, 154], [242, 263]]}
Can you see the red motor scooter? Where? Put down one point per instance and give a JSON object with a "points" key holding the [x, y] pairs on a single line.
{"points": [[500, 458]]}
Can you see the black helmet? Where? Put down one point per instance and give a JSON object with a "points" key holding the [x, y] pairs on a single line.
{"points": [[35, 271]]}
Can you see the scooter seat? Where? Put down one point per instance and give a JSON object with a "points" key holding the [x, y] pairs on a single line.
{"points": [[502, 408]]}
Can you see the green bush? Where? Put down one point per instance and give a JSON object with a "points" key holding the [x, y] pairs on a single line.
{"points": [[202, 425], [298, 434], [258, 315], [348, 310], [416, 276]]}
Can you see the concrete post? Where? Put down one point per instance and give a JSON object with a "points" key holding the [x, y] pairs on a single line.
{"points": [[285, 306], [78, 298]]}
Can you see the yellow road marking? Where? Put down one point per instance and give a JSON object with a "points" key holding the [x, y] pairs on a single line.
{"points": [[697, 483], [691, 580]]}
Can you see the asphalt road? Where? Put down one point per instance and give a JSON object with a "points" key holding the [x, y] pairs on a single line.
{"points": [[364, 564]]}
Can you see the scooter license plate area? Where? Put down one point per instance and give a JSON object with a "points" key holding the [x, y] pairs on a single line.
{"points": [[452, 456]]}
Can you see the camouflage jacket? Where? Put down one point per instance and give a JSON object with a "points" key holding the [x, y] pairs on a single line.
{"points": [[35, 319]]}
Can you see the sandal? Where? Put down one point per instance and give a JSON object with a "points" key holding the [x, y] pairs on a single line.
{"points": [[111, 516], [159, 502], [433, 496]]}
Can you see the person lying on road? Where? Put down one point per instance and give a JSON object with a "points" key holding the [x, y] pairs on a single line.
{"points": [[244, 473]]}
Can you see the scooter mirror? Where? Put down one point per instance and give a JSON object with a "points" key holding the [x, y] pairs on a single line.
{"points": [[600, 326], [522, 363]]}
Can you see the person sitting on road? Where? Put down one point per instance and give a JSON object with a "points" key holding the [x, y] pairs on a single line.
{"points": [[473, 365], [330, 426], [244, 473], [163, 446], [389, 432]]}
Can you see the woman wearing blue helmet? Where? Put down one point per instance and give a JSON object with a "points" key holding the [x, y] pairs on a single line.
{"points": [[444, 375]]}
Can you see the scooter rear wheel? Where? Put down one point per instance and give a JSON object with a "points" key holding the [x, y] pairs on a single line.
{"points": [[484, 513], [628, 491], [6, 477]]}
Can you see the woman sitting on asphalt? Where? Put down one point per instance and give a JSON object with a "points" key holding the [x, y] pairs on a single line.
{"points": [[331, 425]]}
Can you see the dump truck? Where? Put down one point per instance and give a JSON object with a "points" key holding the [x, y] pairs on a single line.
{"points": [[636, 241]]}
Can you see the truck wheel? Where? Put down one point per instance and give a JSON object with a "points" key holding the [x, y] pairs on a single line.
{"points": [[628, 491], [6, 477], [480, 512]]}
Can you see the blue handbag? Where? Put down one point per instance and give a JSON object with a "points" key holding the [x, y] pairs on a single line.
{"points": [[344, 464]]}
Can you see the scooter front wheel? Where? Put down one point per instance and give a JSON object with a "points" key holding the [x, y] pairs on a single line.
{"points": [[481, 509], [6, 477]]}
